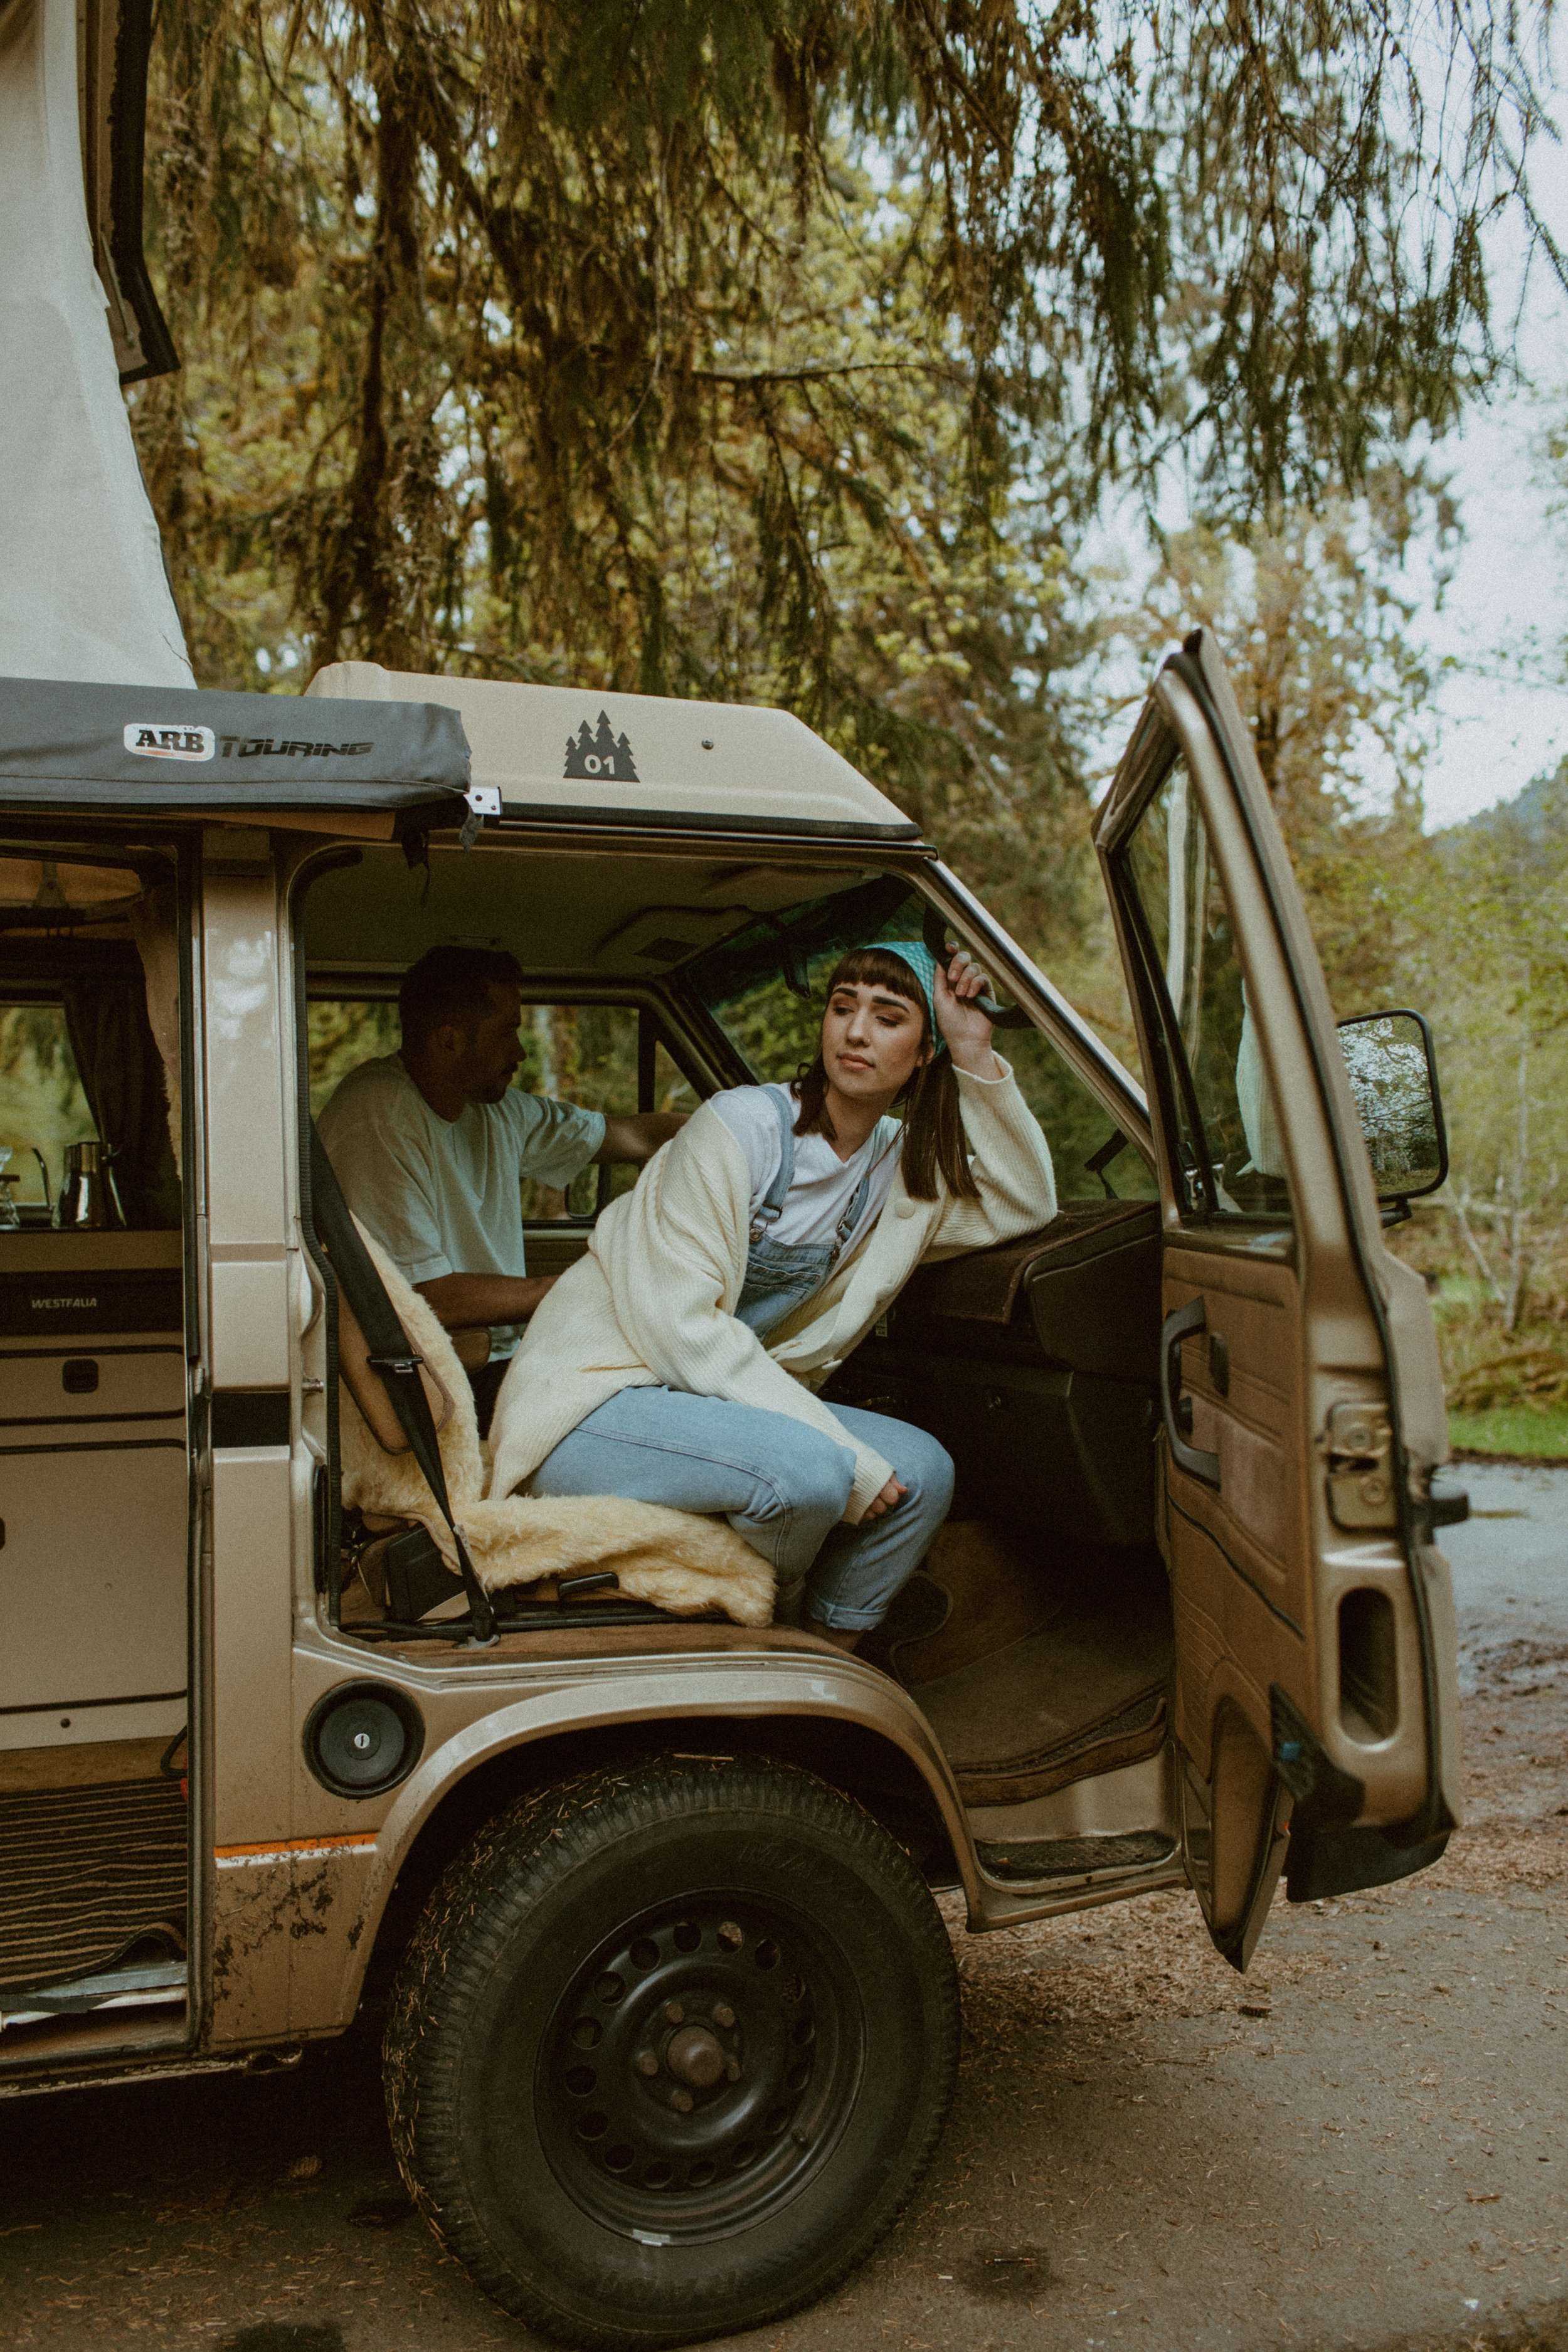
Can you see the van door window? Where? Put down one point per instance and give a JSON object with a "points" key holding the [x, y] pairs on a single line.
{"points": [[1219, 1104]]}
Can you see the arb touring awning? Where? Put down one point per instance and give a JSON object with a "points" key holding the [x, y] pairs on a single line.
{"points": [[173, 748]]}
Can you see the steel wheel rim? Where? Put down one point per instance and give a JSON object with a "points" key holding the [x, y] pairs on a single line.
{"points": [[700, 2066]]}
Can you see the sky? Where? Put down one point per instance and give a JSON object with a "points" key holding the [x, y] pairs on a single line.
{"points": [[1507, 606], [1504, 610]]}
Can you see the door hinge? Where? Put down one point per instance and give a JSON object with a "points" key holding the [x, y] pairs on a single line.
{"points": [[1359, 1443]]}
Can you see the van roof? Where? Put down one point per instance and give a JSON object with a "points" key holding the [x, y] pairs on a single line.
{"points": [[555, 750]]}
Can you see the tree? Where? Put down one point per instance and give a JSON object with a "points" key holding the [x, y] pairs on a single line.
{"points": [[1312, 624], [1495, 952], [531, 332]]}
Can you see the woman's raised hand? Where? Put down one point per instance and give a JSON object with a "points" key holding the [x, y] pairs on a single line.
{"points": [[966, 1029]]}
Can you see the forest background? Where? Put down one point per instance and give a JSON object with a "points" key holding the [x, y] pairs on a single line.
{"points": [[797, 352]]}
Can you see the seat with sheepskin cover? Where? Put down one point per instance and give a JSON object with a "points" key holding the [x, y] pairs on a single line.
{"points": [[676, 1559]]}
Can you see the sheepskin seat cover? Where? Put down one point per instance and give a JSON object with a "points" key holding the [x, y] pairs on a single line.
{"points": [[674, 1559]]}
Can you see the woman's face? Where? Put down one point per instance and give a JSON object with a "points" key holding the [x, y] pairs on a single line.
{"points": [[871, 1039]]}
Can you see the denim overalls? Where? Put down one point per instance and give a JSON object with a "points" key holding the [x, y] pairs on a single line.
{"points": [[781, 1275], [781, 1482]]}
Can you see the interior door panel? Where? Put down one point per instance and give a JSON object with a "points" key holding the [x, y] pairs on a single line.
{"points": [[1034, 1365], [1252, 1422]]}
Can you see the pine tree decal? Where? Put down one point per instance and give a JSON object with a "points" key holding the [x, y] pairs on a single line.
{"points": [[600, 755]]}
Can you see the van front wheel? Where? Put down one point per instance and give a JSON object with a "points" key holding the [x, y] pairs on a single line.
{"points": [[670, 2049]]}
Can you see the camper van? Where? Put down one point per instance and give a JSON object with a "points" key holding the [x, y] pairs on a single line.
{"points": [[647, 1880]]}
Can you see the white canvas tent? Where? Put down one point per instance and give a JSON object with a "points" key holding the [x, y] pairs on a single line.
{"points": [[83, 593]]}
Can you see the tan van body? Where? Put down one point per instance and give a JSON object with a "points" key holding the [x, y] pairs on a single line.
{"points": [[167, 1501]]}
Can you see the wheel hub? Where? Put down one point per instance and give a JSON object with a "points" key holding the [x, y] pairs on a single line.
{"points": [[696, 2056], [695, 2070]]}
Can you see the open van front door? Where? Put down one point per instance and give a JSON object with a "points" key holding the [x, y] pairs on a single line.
{"points": [[1315, 1701]]}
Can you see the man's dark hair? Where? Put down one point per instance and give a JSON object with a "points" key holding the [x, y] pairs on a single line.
{"points": [[449, 983]]}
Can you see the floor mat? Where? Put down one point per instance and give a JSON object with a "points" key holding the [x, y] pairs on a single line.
{"points": [[86, 1873], [1031, 1675]]}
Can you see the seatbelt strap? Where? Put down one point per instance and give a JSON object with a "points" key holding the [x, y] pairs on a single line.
{"points": [[392, 1356]]}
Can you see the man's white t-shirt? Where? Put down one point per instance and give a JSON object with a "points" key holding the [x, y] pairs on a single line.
{"points": [[822, 1185], [442, 1196]]}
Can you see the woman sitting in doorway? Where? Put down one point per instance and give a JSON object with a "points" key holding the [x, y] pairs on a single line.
{"points": [[676, 1362]]}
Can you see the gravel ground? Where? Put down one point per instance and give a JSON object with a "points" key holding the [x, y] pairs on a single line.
{"points": [[1361, 2145]]}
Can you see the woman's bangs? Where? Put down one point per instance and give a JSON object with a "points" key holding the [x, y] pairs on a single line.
{"points": [[875, 967]]}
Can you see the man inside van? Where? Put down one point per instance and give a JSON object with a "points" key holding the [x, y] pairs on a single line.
{"points": [[431, 1144]]}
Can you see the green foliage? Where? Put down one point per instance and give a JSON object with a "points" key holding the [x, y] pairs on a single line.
{"points": [[1539, 1436], [1315, 636], [779, 354], [341, 1033], [774, 353], [44, 1103]]}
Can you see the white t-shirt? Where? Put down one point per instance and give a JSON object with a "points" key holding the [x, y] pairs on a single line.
{"points": [[822, 1185], [442, 1196]]}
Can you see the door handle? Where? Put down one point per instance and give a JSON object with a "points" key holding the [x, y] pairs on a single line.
{"points": [[1176, 1327]]}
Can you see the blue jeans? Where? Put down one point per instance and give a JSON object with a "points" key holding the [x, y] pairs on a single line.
{"points": [[780, 1483]]}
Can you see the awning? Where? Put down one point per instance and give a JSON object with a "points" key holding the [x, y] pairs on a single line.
{"points": [[179, 749]]}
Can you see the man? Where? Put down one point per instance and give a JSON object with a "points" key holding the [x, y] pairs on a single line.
{"points": [[430, 1145]]}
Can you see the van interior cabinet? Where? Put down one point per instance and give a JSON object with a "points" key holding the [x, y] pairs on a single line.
{"points": [[92, 1489]]}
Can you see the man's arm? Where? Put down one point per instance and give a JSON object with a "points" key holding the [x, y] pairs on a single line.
{"points": [[464, 1299], [636, 1135]]}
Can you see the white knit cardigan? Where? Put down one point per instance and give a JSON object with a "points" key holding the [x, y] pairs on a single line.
{"points": [[652, 1302]]}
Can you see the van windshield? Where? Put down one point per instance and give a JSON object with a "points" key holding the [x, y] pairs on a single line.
{"points": [[650, 979], [765, 987]]}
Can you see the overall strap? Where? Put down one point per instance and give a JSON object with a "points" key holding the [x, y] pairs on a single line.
{"points": [[768, 1208], [854, 1213]]}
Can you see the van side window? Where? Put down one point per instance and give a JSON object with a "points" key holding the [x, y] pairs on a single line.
{"points": [[89, 1077], [42, 1105], [583, 1053], [588, 1054], [341, 1032]]}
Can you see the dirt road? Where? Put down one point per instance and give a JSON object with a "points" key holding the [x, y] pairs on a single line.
{"points": [[1364, 2143]]}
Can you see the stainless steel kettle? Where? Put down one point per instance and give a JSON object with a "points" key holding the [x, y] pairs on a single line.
{"points": [[90, 1198]]}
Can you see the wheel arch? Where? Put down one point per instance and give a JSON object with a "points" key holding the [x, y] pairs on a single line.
{"points": [[857, 1758]]}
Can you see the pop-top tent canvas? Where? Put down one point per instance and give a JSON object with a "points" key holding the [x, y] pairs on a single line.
{"points": [[65, 745], [83, 586]]}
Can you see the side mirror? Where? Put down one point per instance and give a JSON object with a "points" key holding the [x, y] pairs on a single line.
{"points": [[1393, 1071]]}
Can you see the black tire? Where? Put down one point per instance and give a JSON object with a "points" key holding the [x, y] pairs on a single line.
{"points": [[762, 1942]]}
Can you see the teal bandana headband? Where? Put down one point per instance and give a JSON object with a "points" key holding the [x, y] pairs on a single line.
{"points": [[923, 964]]}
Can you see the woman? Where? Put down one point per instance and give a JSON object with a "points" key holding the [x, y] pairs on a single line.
{"points": [[676, 1361]]}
